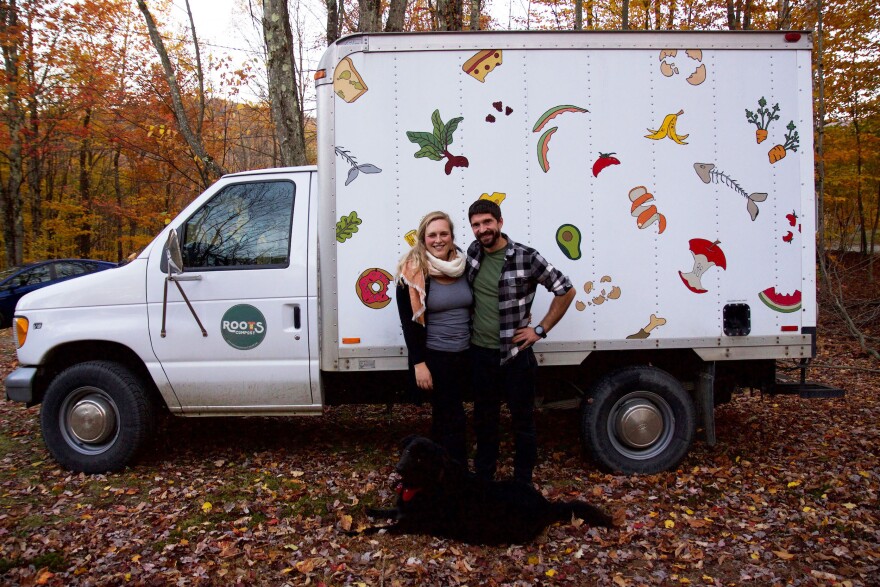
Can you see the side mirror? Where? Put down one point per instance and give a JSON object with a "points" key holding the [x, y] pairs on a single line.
{"points": [[173, 254]]}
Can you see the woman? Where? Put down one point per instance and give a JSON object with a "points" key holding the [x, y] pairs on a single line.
{"points": [[434, 302]]}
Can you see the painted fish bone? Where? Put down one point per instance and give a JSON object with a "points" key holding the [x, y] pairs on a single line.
{"points": [[708, 174]]}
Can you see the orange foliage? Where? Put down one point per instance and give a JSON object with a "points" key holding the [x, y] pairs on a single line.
{"points": [[104, 163]]}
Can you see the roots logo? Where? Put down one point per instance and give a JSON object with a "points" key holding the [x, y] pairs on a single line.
{"points": [[243, 327]]}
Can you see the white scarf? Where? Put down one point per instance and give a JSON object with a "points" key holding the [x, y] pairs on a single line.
{"points": [[453, 268]]}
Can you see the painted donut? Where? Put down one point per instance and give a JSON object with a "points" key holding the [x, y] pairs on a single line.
{"points": [[372, 288]]}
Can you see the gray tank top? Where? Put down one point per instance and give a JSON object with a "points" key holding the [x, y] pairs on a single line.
{"points": [[448, 316]]}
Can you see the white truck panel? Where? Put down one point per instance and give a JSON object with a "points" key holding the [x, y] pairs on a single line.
{"points": [[627, 95]]}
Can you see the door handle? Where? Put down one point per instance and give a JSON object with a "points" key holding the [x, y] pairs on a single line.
{"points": [[296, 316]]}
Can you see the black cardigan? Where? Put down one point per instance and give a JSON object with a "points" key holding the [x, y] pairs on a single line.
{"points": [[414, 334]]}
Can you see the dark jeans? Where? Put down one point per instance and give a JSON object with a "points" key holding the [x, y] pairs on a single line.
{"points": [[451, 374], [513, 383]]}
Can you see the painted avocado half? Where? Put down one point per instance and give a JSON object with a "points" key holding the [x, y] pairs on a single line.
{"points": [[568, 237]]}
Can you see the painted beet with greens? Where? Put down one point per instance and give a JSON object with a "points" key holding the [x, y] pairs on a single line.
{"points": [[435, 145]]}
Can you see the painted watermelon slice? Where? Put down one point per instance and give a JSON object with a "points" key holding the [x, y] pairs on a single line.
{"points": [[781, 302]]}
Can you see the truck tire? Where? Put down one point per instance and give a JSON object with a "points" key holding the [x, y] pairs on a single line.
{"points": [[638, 420], [95, 417]]}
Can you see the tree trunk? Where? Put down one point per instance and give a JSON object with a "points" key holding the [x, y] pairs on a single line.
{"points": [[732, 16], [783, 15], [370, 19], [332, 21], [11, 200], [199, 73], [624, 15], [860, 204], [117, 190], [397, 14], [578, 15], [35, 149], [209, 169], [477, 8], [450, 15], [283, 92], [747, 15], [873, 243], [84, 238], [820, 143]]}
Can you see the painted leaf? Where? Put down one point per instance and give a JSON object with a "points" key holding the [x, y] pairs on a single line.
{"points": [[430, 152], [438, 127], [450, 128], [347, 226], [425, 139], [352, 175], [369, 168]]}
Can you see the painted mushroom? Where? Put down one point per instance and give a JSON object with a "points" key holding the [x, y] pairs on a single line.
{"points": [[706, 255]]}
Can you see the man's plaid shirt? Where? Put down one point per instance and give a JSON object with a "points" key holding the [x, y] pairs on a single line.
{"points": [[524, 268]]}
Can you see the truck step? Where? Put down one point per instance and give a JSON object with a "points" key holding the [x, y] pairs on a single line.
{"points": [[565, 404], [808, 390]]}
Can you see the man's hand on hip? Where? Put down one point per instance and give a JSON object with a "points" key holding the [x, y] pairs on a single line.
{"points": [[525, 337]]}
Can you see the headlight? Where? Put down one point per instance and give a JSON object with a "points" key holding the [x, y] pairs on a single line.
{"points": [[19, 330]]}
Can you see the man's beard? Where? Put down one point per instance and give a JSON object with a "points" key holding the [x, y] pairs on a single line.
{"points": [[495, 235]]}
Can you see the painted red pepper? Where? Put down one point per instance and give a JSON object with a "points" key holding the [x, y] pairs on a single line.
{"points": [[792, 218], [604, 160]]}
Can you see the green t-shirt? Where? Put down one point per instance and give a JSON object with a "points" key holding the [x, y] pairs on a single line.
{"points": [[487, 320]]}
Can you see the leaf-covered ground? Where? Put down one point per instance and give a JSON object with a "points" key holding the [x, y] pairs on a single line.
{"points": [[788, 496]]}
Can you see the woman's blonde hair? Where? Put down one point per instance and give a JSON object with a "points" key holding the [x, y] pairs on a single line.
{"points": [[417, 254]]}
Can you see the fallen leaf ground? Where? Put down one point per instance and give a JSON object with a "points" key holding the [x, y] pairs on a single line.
{"points": [[788, 496]]}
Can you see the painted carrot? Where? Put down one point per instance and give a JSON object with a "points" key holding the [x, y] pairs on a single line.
{"points": [[543, 147], [553, 113], [792, 142], [762, 118]]}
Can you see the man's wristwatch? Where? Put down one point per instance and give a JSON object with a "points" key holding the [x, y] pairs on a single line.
{"points": [[539, 330]]}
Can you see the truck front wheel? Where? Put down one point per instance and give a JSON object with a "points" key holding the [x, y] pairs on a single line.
{"points": [[638, 420], [95, 417]]}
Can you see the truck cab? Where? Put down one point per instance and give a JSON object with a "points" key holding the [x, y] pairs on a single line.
{"points": [[232, 330]]}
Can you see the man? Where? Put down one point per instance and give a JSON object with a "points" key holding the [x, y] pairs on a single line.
{"points": [[504, 276]]}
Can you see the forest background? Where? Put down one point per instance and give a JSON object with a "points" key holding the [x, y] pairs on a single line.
{"points": [[114, 116]]}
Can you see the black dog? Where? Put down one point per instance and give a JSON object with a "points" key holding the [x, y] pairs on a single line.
{"points": [[439, 497]]}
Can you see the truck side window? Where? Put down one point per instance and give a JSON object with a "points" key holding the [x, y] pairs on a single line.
{"points": [[244, 225]]}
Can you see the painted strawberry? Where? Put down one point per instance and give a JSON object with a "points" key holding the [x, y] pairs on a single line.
{"points": [[604, 160], [792, 218], [788, 237]]}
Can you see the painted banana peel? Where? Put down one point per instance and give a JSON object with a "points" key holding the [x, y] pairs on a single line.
{"points": [[667, 129]]}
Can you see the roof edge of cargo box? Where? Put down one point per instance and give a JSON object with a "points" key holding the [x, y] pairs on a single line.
{"points": [[467, 40]]}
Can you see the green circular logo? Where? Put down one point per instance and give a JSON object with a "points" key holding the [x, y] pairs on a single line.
{"points": [[243, 327]]}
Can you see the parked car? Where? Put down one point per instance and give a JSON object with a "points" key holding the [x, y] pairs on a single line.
{"points": [[22, 279]]}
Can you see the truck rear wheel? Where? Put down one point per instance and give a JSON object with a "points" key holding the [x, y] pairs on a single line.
{"points": [[638, 420], [95, 417]]}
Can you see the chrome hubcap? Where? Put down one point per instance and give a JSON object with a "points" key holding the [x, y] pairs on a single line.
{"points": [[639, 423], [91, 419]]}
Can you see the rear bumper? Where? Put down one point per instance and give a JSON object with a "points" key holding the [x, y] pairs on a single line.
{"points": [[20, 385]]}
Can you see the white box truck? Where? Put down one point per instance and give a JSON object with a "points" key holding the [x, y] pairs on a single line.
{"points": [[669, 175]]}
